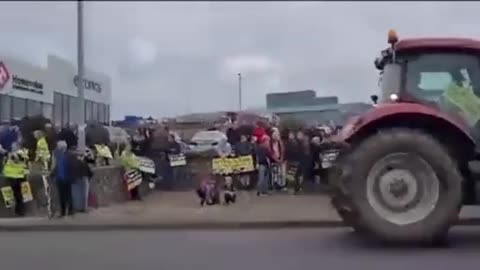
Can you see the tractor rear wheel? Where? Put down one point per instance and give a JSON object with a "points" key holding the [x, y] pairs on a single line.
{"points": [[403, 186]]}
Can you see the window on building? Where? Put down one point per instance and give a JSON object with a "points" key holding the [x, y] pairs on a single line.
{"points": [[65, 110], [47, 110], [57, 109], [95, 111], [19, 107], [88, 110], [72, 107], [5, 108], [34, 107], [101, 113], [107, 114]]}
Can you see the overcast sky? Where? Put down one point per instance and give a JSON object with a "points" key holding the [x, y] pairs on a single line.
{"points": [[172, 58]]}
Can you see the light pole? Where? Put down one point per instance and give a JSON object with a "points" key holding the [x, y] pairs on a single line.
{"points": [[80, 65], [239, 91], [80, 119]]}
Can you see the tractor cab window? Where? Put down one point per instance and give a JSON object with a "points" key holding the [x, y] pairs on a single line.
{"points": [[451, 80], [429, 76]]}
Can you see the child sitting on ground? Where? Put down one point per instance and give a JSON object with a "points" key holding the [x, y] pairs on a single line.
{"points": [[229, 194], [208, 191]]}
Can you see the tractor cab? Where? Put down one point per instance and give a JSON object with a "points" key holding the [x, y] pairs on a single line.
{"points": [[438, 72]]}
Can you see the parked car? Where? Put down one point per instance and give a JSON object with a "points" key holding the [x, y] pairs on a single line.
{"points": [[183, 146], [118, 135], [212, 141]]}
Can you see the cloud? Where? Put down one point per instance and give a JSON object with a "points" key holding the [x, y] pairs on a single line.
{"points": [[167, 58], [249, 63]]}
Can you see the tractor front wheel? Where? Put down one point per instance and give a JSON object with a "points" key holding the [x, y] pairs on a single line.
{"points": [[404, 186]]}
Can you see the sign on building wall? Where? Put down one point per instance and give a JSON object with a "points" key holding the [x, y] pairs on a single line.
{"points": [[64, 78], [88, 84], [23, 80], [28, 85], [4, 76]]}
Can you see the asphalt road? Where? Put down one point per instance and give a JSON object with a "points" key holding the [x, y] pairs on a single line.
{"points": [[222, 250]]}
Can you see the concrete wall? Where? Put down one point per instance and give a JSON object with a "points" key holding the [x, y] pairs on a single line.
{"points": [[107, 185]]}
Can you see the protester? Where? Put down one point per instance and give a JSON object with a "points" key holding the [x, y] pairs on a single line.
{"points": [[9, 136], [292, 155], [68, 135], [50, 136], [229, 195], [303, 160], [315, 160], [208, 192], [80, 185], [138, 142], [277, 164], [15, 171], [173, 150], [42, 154], [259, 131], [64, 173], [244, 148], [263, 160]]}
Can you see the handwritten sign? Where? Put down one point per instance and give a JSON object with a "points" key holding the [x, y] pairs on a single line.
{"points": [[8, 198], [233, 165], [146, 165], [133, 178], [177, 160]]}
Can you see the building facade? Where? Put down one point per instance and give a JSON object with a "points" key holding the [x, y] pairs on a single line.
{"points": [[306, 107], [27, 90]]}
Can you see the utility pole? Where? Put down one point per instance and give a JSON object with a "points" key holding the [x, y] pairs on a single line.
{"points": [[80, 65], [239, 91], [80, 119]]}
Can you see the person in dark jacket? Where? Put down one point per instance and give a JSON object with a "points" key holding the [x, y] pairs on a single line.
{"points": [[263, 160], [244, 148], [303, 160], [50, 136], [173, 149], [80, 187], [64, 172], [66, 134], [292, 155]]}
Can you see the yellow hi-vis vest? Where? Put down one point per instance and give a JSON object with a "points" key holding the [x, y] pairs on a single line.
{"points": [[15, 169], [42, 153], [129, 160]]}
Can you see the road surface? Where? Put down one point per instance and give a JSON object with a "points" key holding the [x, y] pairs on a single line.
{"points": [[280, 249]]}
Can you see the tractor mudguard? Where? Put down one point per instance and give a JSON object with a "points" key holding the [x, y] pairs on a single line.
{"points": [[391, 110]]}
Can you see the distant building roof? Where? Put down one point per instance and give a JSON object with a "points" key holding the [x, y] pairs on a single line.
{"points": [[304, 108]]}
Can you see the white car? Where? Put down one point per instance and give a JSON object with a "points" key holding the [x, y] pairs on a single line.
{"points": [[212, 140]]}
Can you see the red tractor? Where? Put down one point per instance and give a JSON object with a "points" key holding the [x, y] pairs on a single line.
{"points": [[405, 168]]}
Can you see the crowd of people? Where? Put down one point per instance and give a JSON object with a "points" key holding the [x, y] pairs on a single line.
{"points": [[284, 159], [281, 155], [25, 145]]}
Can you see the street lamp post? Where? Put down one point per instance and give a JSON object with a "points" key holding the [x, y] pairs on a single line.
{"points": [[80, 65], [239, 91], [80, 117]]}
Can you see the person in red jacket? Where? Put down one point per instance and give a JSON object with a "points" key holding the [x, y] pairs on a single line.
{"points": [[259, 131], [278, 160]]}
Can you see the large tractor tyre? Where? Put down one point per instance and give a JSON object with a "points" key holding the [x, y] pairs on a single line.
{"points": [[348, 217], [404, 186], [340, 200]]}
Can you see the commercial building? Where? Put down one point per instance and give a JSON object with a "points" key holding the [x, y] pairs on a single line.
{"points": [[27, 90], [305, 106]]}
